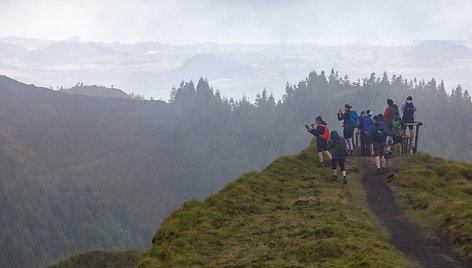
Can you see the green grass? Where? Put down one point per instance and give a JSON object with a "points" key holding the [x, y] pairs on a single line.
{"points": [[292, 214], [437, 193], [102, 259]]}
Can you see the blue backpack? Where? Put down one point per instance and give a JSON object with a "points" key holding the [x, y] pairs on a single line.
{"points": [[367, 123], [353, 118]]}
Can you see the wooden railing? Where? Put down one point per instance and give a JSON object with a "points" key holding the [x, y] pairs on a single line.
{"points": [[407, 145]]}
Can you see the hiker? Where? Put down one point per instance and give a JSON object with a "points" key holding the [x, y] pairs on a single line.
{"points": [[409, 109], [322, 136], [388, 114], [365, 125], [398, 127], [382, 122], [378, 134], [348, 126], [339, 153]]}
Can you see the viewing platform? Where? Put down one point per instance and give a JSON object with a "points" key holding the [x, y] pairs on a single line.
{"points": [[408, 146]]}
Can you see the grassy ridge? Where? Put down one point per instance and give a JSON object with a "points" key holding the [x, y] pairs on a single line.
{"points": [[290, 214], [103, 259], [438, 192]]}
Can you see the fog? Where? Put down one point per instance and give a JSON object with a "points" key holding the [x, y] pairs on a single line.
{"points": [[224, 21], [147, 47]]}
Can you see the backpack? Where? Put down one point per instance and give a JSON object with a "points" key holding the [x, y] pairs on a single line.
{"points": [[367, 123], [397, 127], [409, 110], [353, 118], [325, 135], [379, 134], [394, 111], [340, 147]]}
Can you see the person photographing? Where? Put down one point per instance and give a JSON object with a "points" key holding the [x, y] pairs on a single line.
{"points": [[322, 136]]}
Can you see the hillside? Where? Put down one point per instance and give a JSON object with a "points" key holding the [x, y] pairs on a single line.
{"points": [[97, 91], [290, 214], [79, 173], [437, 193], [66, 180]]}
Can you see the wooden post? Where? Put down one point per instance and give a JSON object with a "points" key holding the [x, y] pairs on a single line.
{"points": [[405, 143], [416, 137], [417, 125]]}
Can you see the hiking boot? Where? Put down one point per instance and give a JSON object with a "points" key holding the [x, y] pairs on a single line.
{"points": [[335, 177], [322, 164], [344, 180], [379, 171]]}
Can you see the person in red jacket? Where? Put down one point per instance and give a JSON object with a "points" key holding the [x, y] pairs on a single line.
{"points": [[388, 115], [322, 136]]}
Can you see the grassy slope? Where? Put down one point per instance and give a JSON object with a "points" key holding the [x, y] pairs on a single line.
{"points": [[438, 192], [291, 214], [103, 259]]}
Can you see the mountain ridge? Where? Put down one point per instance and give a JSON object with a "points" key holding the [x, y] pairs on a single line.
{"points": [[290, 214]]}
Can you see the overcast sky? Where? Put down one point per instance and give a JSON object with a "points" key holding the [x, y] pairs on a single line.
{"points": [[329, 22]]}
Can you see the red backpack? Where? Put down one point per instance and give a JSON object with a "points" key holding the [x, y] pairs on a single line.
{"points": [[325, 135]]}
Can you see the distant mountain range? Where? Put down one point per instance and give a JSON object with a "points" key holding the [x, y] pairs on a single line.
{"points": [[152, 69]]}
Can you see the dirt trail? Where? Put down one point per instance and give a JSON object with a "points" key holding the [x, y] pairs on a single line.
{"points": [[425, 249]]}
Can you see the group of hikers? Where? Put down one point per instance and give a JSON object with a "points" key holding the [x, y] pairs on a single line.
{"points": [[375, 132]]}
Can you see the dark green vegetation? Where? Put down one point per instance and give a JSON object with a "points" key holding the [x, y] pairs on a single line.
{"points": [[291, 214], [102, 259], [438, 192], [80, 170]]}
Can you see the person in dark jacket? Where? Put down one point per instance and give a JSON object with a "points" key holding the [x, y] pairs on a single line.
{"points": [[347, 125], [322, 135], [339, 152], [382, 122], [378, 135], [409, 109]]}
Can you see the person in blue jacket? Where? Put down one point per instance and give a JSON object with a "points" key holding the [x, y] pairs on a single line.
{"points": [[382, 122], [322, 135], [365, 125], [378, 135], [339, 153]]}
